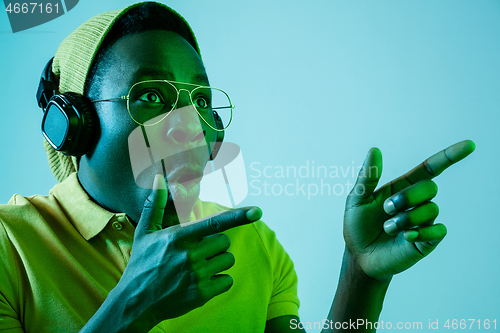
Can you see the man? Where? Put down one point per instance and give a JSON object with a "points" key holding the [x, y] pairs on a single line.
{"points": [[103, 254]]}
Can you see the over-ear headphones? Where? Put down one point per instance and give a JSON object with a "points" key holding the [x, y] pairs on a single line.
{"points": [[69, 119], [220, 135]]}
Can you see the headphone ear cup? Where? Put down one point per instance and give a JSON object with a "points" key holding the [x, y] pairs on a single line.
{"points": [[220, 136], [84, 142]]}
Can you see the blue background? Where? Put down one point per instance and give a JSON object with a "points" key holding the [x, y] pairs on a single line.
{"points": [[324, 81]]}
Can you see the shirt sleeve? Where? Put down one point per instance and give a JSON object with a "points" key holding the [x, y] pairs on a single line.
{"points": [[9, 318], [284, 299]]}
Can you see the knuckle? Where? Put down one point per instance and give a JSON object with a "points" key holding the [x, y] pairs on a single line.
{"points": [[183, 258], [235, 216], [172, 237], [428, 168], [191, 257], [199, 274], [184, 253], [195, 276], [403, 220], [400, 201], [215, 224], [204, 294], [173, 242], [149, 203]]}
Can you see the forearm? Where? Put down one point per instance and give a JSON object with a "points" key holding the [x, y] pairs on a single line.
{"points": [[118, 314], [358, 297]]}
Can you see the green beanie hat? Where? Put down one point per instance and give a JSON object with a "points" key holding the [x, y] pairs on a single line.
{"points": [[73, 60]]}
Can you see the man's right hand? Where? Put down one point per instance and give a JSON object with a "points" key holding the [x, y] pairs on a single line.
{"points": [[174, 270]]}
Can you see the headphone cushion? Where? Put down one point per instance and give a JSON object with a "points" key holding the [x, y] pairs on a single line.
{"points": [[87, 112], [219, 136]]}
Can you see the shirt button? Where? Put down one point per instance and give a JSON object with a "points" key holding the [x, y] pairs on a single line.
{"points": [[117, 225]]}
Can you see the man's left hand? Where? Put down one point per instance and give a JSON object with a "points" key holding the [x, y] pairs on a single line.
{"points": [[390, 229]]}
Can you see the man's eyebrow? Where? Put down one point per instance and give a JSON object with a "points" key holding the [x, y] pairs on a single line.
{"points": [[200, 78], [154, 72], [162, 74]]}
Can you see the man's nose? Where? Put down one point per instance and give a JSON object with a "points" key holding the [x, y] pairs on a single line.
{"points": [[184, 98], [184, 127]]}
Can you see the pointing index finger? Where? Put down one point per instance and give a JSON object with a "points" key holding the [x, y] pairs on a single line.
{"points": [[435, 165], [220, 222]]}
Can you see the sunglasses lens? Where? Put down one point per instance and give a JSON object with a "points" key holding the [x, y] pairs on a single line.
{"points": [[207, 100], [151, 99], [155, 99]]}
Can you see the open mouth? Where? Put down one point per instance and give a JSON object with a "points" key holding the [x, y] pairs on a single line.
{"points": [[188, 179], [184, 184], [186, 175]]}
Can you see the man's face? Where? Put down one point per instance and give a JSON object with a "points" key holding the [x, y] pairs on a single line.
{"points": [[106, 171]]}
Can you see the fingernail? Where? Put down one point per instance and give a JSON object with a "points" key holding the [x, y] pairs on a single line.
{"points": [[391, 227], [411, 235], [254, 214], [389, 206], [159, 183]]}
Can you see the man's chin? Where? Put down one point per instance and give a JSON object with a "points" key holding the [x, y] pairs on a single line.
{"points": [[181, 200]]}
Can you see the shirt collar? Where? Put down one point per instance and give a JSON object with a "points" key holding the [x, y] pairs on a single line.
{"points": [[86, 216]]}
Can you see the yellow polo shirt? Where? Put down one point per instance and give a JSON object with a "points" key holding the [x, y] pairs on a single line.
{"points": [[61, 254]]}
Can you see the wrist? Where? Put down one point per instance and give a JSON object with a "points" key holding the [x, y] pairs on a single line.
{"points": [[120, 313], [358, 295], [131, 307], [355, 272]]}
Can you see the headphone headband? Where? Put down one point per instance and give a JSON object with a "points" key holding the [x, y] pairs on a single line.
{"points": [[46, 87]]}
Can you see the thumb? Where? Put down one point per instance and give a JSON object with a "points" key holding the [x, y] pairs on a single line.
{"points": [[152, 213], [368, 178]]}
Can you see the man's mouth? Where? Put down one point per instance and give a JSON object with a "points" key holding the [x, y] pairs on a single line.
{"points": [[185, 175]]}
